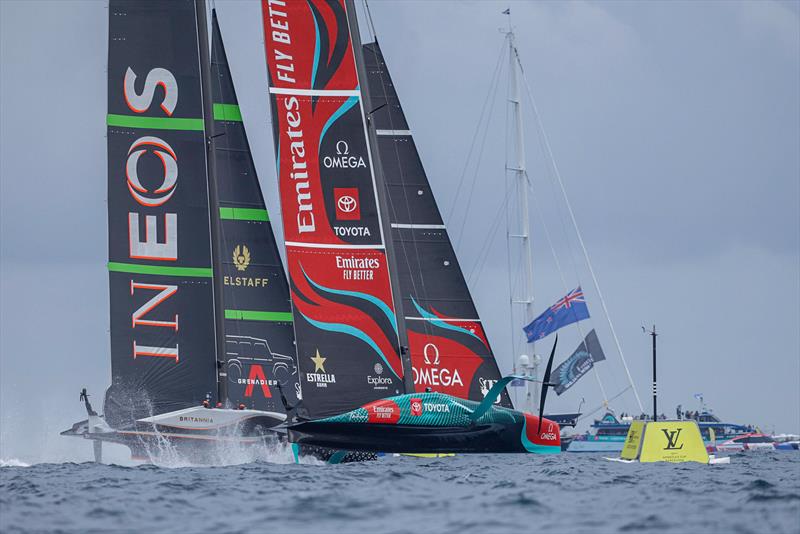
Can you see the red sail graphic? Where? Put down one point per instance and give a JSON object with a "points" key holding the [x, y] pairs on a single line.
{"points": [[344, 318]]}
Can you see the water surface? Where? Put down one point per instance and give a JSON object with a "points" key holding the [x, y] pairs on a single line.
{"points": [[468, 493]]}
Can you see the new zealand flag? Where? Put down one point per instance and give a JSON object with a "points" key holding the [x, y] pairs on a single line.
{"points": [[571, 309]]}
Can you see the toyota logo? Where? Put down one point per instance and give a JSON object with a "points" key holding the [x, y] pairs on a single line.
{"points": [[347, 204]]}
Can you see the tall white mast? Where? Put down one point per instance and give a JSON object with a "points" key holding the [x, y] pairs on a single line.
{"points": [[523, 297]]}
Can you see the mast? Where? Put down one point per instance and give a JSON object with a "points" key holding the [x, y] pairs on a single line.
{"points": [[213, 201], [524, 297]]}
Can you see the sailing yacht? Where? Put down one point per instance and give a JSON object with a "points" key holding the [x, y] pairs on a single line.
{"points": [[202, 344], [393, 354]]}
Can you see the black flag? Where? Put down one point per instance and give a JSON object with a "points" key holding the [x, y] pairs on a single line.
{"points": [[578, 364]]}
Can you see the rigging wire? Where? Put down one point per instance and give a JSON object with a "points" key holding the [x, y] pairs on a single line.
{"points": [[564, 282], [479, 157], [549, 239], [557, 174], [486, 248], [605, 404], [454, 202]]}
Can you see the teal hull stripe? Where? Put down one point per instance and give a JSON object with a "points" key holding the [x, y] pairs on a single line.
{"points": [[198, 272], [155, 123], [350, 331], [349, 103], [363, 296], [441, 324]]}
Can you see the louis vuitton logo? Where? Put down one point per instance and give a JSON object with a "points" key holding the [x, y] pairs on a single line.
{"points": [[672, 439]]}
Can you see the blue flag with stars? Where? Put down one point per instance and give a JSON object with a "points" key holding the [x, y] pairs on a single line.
{"points": [[570, 309]]}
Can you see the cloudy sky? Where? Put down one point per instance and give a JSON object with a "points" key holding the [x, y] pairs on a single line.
{"points": [[675, 127]]}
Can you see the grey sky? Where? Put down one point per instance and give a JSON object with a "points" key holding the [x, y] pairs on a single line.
{"points": [[675, 126]]}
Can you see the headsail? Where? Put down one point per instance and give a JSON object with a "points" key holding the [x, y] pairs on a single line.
{"points": [[344, 318], [259, 339], [160, 268], [450, 352]]}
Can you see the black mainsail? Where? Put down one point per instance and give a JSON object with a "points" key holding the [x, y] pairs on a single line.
{"points": [[200, 314], [259, 338], [163, 353], [449, 348]]}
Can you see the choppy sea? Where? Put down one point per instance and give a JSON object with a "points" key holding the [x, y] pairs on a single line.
{"points": [[756, 492]]}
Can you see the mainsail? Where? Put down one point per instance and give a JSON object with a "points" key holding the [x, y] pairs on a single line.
{"points": [[344, 318], [163, 353], [450, 352], [259, 339]]}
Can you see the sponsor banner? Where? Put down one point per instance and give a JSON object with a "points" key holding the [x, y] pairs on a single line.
{"points": [[308, 45], [162, 321], [673, 441], [261, 364], [457, 362], [415, 404], [322, 201], [442, 364], [345, 326], [546, 435], [158, 330], [252, 273], [633, 441], [383, 411]]}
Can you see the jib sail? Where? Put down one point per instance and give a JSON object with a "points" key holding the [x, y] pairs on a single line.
{"points": [[160, 268], [344, 318], [259, 339], [450, 352]]}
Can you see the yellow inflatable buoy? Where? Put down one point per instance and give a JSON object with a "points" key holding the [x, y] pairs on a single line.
{"points": [[666, 441]]}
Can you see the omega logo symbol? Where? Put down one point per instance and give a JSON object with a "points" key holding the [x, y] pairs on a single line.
{"points": [[429, 349], [342, 149]]}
